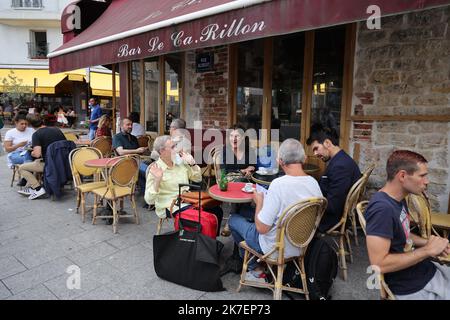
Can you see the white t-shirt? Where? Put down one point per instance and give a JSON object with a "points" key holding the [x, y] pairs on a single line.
{"points": [[284, 192], [138, 130], [16, 137]]}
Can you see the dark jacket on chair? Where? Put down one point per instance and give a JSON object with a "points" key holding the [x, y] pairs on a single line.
{"points": [[57, 167]]}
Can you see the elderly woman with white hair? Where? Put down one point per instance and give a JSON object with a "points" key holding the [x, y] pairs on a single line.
{"points": [[283, 192], [171, 169]]}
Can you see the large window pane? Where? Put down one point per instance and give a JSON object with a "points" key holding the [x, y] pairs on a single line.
{"points": [[173, 88], [287, 81], [329, 51], [152, 90], [136, 86], [250, 83]]}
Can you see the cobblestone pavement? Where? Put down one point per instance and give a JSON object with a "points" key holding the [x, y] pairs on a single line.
{"points": [[40, 239]]}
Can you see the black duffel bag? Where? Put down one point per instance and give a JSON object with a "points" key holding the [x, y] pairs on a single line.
{"points": [[188, 258]]}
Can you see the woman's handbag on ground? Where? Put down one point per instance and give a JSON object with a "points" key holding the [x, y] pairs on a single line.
{"points": [[188, 258]]}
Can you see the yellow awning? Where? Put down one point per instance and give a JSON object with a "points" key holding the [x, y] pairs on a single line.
{"points": [[101, 83], [46, 82]]}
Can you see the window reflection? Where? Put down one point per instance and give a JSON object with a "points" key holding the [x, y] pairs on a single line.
{"points": [[151, 94], [329, 51], [287, 82], [250, 84], [173, 88], [135, 86]]}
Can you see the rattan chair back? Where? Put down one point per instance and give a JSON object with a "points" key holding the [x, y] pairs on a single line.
{"points": [[104, 144]]}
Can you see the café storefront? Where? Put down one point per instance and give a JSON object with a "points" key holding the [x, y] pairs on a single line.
{"points": [[282, 64]]}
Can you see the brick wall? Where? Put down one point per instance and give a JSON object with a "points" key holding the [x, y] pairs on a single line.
{"points": [[207, 92], [404, 69]]}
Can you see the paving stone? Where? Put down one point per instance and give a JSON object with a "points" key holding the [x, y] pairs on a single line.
{"points": [[9, 266], [4, 292], [33, 277], [132, 258], [91, 254], [39, 292], [102, 293]]}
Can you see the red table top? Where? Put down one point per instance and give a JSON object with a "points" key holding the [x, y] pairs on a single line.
{"points": [[234, 193], [101, 163]]}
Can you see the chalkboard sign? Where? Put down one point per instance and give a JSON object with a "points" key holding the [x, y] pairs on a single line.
{"points": [[204, 62]]}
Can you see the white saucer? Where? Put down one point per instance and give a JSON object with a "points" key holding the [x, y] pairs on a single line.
{"points": [[243, 189]]}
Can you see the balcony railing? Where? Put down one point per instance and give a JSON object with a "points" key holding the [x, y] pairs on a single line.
{"points": [[27, 4], [37, 51]]}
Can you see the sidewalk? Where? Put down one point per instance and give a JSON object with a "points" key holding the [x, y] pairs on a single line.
{"points": [[40, 239]]}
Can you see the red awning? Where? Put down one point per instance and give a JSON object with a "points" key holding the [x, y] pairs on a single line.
{"points": [[136, 29]]}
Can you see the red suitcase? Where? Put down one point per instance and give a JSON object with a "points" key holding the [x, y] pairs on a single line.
{"points": [[195, 217]]}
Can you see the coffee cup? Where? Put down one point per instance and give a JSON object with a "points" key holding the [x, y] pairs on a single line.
{"points": [[248, 187]]}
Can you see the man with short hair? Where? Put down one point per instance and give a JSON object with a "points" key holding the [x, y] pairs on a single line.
{"points": [[341, 173], [408, 272], [283, 192], [96, 113], [124, 142], [176, 124], [40, 140]]}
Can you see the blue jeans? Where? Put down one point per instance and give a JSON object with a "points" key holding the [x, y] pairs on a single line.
{"points": [[92, 133], [242, 229], [16, 158], [142, 178]]}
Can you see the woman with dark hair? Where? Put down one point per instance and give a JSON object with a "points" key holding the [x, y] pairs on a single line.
{"points": [[16, 139], [238, 156]]}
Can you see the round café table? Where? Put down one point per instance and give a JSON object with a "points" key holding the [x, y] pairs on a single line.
{"points": [[234, 193]]}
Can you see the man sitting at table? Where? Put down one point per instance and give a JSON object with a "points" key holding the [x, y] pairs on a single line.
{"points": [[40, 140], [409, 272], [283, 192], [341, 173], [124, 143]]}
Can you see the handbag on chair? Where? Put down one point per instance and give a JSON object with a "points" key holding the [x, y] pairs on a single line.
{"points": [[188, 258]]}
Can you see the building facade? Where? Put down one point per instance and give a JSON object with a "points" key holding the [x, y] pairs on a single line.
{"points": [[29, 30], [381, 88]]}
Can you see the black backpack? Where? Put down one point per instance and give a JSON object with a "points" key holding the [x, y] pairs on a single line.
{"points": [[321, 266]]}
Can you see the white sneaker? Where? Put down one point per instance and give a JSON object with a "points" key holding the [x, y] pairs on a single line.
{"points": [[255, 276], [27, 191], [37, 194]]}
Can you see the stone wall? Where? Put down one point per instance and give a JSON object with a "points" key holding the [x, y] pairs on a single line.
{"points": [[404, 69], [207, 92]]}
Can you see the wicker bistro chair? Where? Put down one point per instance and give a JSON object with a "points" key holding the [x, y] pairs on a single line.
{"points": [[297, 224], [121, 182], [341, 231], [71, 136], [385, 292], [143, 141], [209, 171], [419, 208], [77, 158], [351, 215], [104, 144]]}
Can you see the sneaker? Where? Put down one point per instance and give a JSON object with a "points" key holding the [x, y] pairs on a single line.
{"points": [[22, 183], [27, 191], [37, 194], [255, 276]]}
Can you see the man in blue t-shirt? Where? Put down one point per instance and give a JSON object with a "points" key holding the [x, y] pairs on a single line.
{"points": [[409, 272], [96, 113], [341, 173]]}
